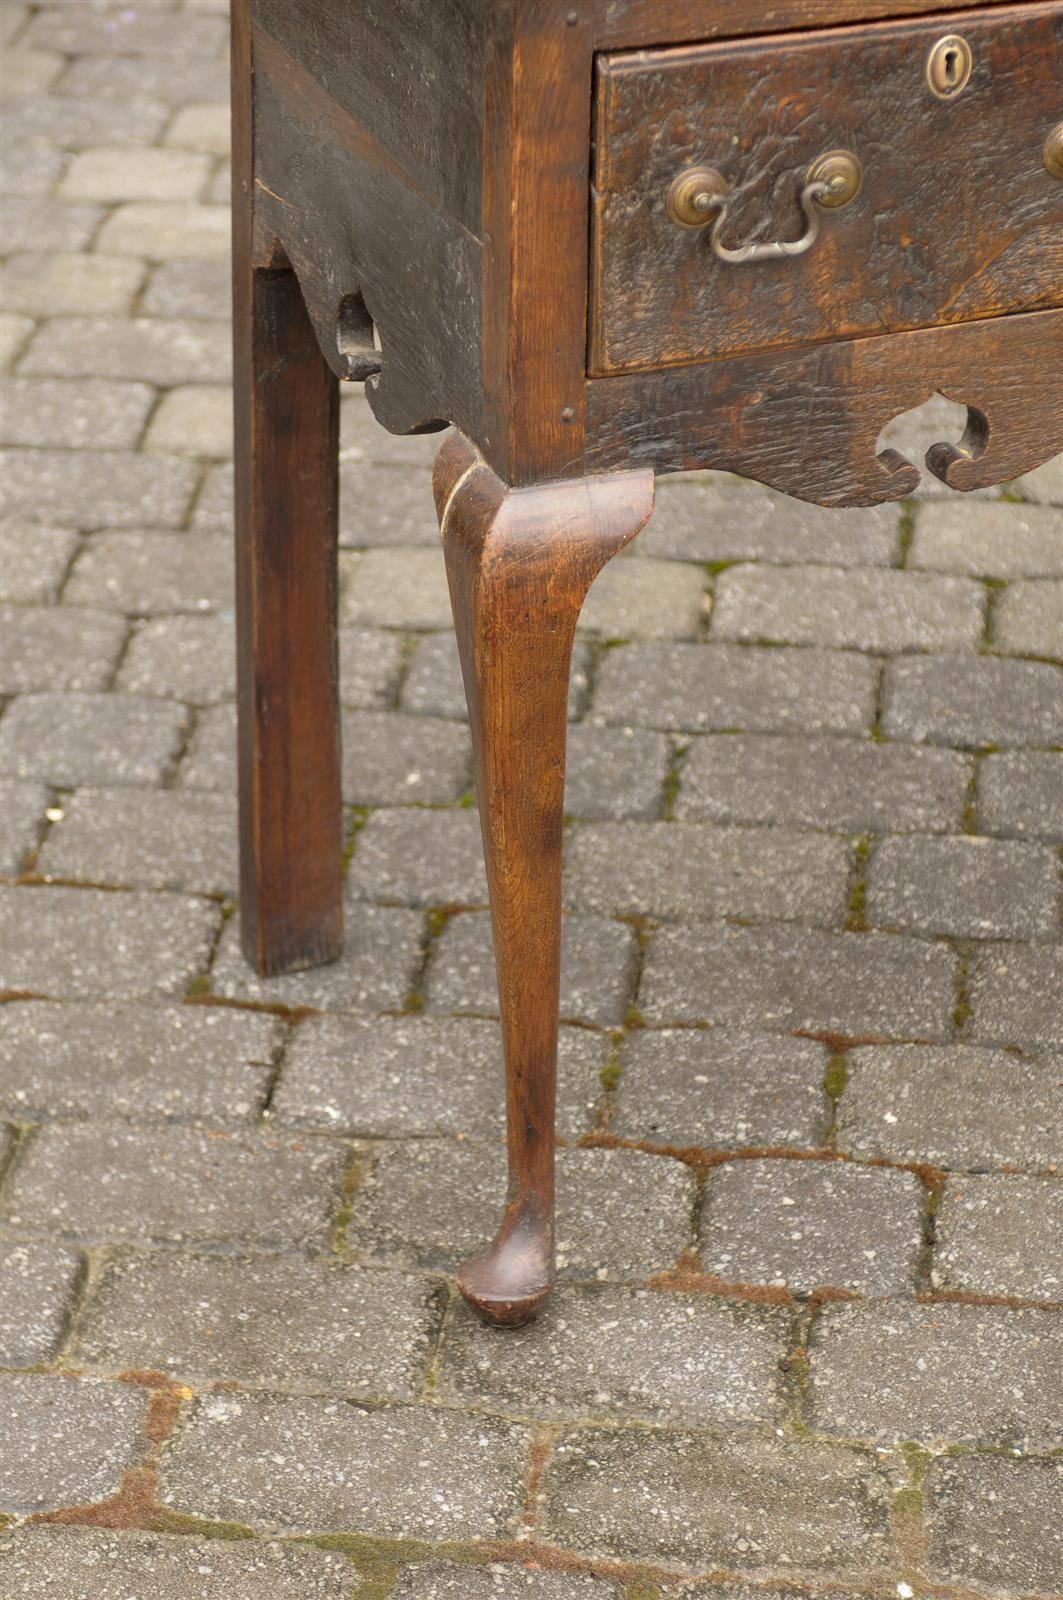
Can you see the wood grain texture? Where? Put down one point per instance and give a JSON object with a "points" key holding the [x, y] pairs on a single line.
{"points": [[808, 421], [627, 24], [286, 450], [957, 218], [519, 564]]}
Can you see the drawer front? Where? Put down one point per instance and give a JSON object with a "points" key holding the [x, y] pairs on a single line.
{"points": [[957, 217]]}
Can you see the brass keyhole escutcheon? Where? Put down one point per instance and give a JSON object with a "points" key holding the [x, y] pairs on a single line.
{"points": [[695, 195], [948, 67], [1054, 151], [842, 173]]}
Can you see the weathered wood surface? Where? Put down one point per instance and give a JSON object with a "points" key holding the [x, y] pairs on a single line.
{"points": [[808, 421], [286, 455], [957, 218], [519, 563], [624, 24]]}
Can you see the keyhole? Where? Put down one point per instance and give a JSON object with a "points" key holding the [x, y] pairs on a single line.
{"points": [[948, 67]]}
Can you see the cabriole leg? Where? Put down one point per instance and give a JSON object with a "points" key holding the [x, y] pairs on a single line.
{"points": [[519, 564]]}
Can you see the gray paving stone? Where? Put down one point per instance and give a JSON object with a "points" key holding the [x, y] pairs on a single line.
{"points": [[198, 288], [1021, 792], [370, 664], [194, 420], [201, 126], [29, 71], [938, 1374], [598, 967], [726, 519], [440, 1581], [29, 169], [146, 839], [737, 1501], [850, 785], [1028, 619], [171, 1064], [952, 1105], [622, 1215], [53, 648], [171, 232], [219, 190], [386, 505], [89, 414], [97, 489], [1044, 485], [420, 857], [712, 688], [209, 761], [14, 332], [396, 588], [363, 439], [615, 773], [970, 887], [67, 1441], [214, 503], [691, 870], [790, 979], [808, 1225], [318, 1466], [21, 822], [407, 1077], [147, 1186], [114, 173], [31, 222], [40, 1280], [80, 30], [84, 944], [433, 687], [33, 561], [380, 961], [157, 350], [61, 1563], [145, 83], [976, 701], [73, 124], [985, 1242], [186, 658], [270, 1323], [146, 573], [71, 739], [390, 759], [612, 1353], [69, 284], [988, 539], [1014, 994], [7, 1144], [996, 1522], [720, 1089], [642, 599], [860, 608]]}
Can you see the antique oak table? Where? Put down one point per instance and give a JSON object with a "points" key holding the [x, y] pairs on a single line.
{"points": [[603, 239]]}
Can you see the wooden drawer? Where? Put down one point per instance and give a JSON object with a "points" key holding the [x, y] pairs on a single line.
{"points": [[957, 217]]}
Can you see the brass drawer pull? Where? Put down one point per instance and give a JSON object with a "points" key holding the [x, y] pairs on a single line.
{"points": [[831, 181]]}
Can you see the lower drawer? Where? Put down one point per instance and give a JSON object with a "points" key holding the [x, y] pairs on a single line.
{"points": [[958, 214]]}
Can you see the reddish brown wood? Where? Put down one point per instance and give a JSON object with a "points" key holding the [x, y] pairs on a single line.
{"points": [[286, 443], [808, 421], [626, 24], [519, 563], [956, 218]]}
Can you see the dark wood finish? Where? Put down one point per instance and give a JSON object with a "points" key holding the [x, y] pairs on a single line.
{"points": [[956, 219], [808, 421], [286, 441], [413, 187], [519, 563]]}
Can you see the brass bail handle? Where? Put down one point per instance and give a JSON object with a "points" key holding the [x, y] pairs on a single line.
{"points": [[831, 181]]}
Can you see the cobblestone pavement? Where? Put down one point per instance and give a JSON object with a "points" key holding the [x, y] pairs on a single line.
{"points": [[808, 1334]]}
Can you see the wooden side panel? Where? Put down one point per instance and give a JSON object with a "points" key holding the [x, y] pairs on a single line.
{"points": [[957, 218], [808, 421], [374, 199]]}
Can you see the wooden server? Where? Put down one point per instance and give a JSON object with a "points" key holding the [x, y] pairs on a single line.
{"points": [[604, 239]]}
